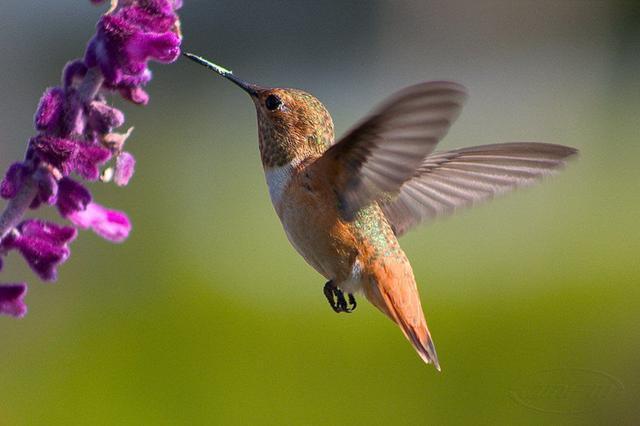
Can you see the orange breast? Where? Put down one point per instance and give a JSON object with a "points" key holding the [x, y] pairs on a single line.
{"points": [[310, 218], [308, 211]]}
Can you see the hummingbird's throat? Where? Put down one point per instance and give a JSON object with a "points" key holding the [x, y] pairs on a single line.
{"points": [[274, 151], [281, 146]]}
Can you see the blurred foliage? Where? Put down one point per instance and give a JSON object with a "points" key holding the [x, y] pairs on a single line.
{"points": [[206, 315]]}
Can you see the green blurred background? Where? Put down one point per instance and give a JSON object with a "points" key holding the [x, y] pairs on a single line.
{"points": [[206, 315]]}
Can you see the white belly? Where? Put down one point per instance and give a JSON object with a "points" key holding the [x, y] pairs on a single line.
{"points": [[278, 178]]}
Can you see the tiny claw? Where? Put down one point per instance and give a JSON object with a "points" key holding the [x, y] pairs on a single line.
{"points": [[328, 293], [336, 299], [342, 302], [352, 302]]}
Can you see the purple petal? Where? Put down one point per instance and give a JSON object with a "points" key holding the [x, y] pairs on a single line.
{"points": [[125, 165], [151, 15], [103, 118], [133, 80], [126, 39], [68, 155], [109, 224], [89, 159], [163, 47], [57, 152], [12, 180], [50, 109], [42, 257], [137, 95], [12, 299], [49, 231], [47, 186], [72, 197], [107, 49], [42, 244]]}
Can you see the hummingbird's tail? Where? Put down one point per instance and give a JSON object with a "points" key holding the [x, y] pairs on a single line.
{"points": [[399, 300]]}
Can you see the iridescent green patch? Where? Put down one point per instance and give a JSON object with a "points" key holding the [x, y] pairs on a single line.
{"points": [[373, 228]]}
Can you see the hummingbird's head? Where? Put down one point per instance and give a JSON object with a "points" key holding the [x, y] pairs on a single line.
{"points": [[292, 124]]}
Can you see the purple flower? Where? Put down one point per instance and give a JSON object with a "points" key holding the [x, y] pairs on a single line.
{"points": [[103, 118], [127, 38], [72, 197], [47, 184], [50, 110], [88, 160], [125, 164], [109, 224], [76, 135], [137, 95], [12, 299], [54, 151], [42, 244], [47, 188], [67, 155], [12, 180], [53, 233]]}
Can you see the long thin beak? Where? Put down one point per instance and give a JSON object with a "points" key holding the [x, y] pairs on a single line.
{"points": [[247, 87]]}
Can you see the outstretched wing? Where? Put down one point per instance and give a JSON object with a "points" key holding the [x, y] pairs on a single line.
{"points": [[447, 181], [376, 157]]}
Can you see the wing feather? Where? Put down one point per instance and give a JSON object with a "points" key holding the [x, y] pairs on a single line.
{"points": [[377, 156], [448, 181]]}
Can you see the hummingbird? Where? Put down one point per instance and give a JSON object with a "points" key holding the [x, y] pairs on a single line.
{"points": [[344, 203]]}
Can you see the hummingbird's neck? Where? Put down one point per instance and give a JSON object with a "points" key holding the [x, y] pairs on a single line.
{"points": [[282, 144]]}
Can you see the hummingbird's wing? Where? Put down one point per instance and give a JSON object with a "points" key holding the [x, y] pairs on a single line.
{"points": [[446, 181], [377, 156]]}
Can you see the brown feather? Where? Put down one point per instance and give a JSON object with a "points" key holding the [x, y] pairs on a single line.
{"points": [[448, 181], [385, 149], [392, 289]]}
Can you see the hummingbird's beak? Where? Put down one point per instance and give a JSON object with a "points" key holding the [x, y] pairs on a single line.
{"points": [[247, 87]]}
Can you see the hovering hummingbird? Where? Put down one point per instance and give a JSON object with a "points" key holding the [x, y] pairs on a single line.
{"points": [[343, 204]]}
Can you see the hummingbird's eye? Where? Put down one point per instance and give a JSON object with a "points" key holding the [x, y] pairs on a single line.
{"points": [[272, 102]]}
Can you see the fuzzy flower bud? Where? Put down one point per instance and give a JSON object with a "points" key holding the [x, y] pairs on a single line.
{"points": [[72, 197], [125, 164], [12, 180], [50, 110], [111, 225], [103, 118], [88, 160], [43, 245], [128, 38], [12, 299]]}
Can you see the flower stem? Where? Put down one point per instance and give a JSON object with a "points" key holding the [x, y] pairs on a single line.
{"points": [[90, 84], [18, 205]]}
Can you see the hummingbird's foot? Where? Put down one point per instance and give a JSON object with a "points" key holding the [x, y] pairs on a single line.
{"points": [[336, 299], [352, 302], [329, 292]]}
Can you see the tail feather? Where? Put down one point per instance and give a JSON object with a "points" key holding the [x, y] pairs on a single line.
{"points": [[401, 302]]}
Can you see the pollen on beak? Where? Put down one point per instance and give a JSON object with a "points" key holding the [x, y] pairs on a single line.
{"points": [[247, 87]]}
